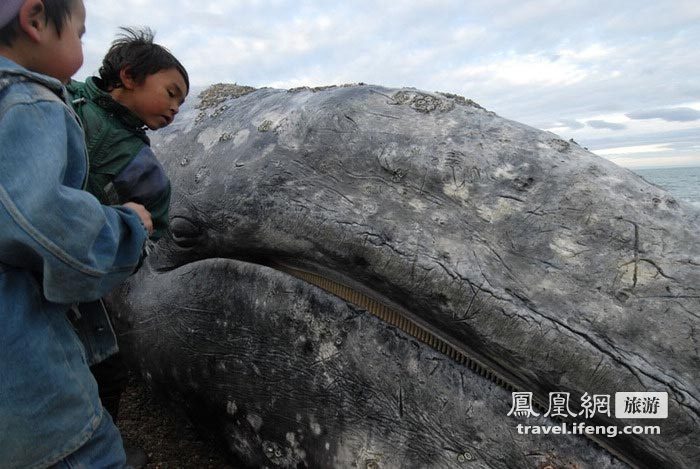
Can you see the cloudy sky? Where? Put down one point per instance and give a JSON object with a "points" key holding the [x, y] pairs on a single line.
{"points": [[620, 77]]}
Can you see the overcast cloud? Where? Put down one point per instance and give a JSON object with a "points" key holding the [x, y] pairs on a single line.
{"points": [[676, 114], [598, 124], [608, 74]]}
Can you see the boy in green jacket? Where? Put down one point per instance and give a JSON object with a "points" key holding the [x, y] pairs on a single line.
{"points": [[141, 85]]}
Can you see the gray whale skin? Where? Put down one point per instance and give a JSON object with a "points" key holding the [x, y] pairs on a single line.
{"points": [[359, 276]]}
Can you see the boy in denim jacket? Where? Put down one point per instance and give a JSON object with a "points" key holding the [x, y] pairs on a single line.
{"points": [[58, 246], [141, 85]]}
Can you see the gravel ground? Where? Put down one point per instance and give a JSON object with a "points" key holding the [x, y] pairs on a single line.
{"points": [[169, 439]]}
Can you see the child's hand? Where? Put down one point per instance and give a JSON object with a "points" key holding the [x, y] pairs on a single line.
{"points": [[143, 214]]}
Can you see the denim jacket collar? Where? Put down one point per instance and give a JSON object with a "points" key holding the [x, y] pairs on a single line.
{"points": [[8, 67]]}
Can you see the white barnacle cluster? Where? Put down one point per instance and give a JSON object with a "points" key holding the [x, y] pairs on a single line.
{"points": [[423, 102]]}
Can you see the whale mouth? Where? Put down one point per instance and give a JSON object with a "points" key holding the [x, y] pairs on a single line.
{"points": [[187, 234]]}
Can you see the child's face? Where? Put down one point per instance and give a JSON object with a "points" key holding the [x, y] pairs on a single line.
{"points": [[62, 55], [158, 98]]}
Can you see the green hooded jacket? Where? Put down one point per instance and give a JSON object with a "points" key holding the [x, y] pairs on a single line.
{"points": [[123, 167]]}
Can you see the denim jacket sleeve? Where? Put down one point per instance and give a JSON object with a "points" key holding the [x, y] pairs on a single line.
{"points": [[77, 248]]}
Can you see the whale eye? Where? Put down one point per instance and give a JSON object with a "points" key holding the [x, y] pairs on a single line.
{"points": [[185, 232]]}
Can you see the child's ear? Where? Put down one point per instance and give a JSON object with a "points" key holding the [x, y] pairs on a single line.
{"points": [[127, 80], [32, 19]]}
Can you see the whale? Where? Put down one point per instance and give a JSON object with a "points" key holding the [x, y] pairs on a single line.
{"points": [[366, 276]]}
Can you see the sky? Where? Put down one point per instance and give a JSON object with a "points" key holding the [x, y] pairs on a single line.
{"points": [[622, 78]]}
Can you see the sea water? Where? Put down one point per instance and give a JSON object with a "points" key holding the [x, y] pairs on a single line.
{"points": [[682, 183]]}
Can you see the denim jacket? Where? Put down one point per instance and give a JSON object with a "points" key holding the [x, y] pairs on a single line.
{"points": [[58, 246]]}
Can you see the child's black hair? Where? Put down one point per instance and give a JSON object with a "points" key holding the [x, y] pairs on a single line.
{"points": [[56, 11], [135, 51]]}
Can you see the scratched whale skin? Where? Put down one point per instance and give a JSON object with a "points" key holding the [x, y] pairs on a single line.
{"points": [[360, 276]]}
